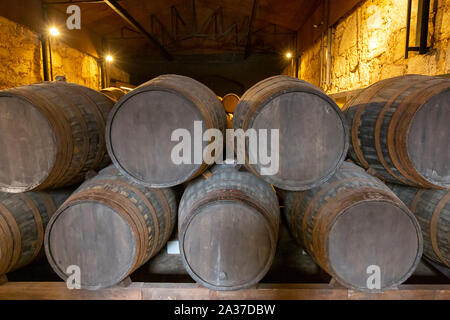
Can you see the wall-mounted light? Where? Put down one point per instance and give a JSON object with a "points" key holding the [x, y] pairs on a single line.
{"points": [[109, 58], [54, 31], [288, 55]]}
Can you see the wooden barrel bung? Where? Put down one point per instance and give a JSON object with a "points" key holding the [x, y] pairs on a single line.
{"points": [[432, 209], [229, 102], [228, 229], [23, 218], [52, 134], [313, 137], [108, 228], [352, 223], [113, 93], [141, 125], [400, 130]]}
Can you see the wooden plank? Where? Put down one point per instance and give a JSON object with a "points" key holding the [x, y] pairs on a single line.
{"points": [[406, 292], [59, 291], [192, 291], [258, 292]]}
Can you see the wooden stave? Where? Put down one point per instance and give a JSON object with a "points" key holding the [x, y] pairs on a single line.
{"points": [[28, 215], [350, 183], [202, 192], [200, 96], [434, 221], [65, 116], [111, 183], [102, 107], [88, 111], [394, 103], [260, 94]]}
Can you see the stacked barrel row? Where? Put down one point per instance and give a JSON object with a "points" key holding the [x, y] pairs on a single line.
{"points": [[400, 133], [348, 220], [51, 136], [228, 217]]}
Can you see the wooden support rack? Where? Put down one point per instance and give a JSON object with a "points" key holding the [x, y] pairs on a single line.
{"points": [[191, 291]]}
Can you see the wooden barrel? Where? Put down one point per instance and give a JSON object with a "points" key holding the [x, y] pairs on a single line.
{"points": [[141, 125], [432, 210], [400, 129], [51, 135], [23, 218], [113, 93], [229, 102], [289, 262], [313, 138], [353, 222], [109, 227], [228, 227]]}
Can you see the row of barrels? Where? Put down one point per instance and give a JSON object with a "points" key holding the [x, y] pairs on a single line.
{"points": [[54, 133], [347, 220], [311, 130], [228, 226]]}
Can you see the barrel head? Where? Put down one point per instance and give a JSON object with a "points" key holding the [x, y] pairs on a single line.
{"points": [[227, 246], [312, 139], [230, 101], [374, 233], [429, 140], [27, 144], [139, 136], [95, 238]]}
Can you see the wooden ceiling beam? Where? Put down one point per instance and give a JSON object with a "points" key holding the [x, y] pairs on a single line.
{"points": [[249, 31], [125, 15]]}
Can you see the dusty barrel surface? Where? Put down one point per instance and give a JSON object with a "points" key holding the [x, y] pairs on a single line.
{"points": [[108, 228], [113, 93], [399, 129], [140, 128], [432, 210], [52, 134], [228, 228], [313, 136], [353, 222], [230, 101], [289, 262], [23, 218]]}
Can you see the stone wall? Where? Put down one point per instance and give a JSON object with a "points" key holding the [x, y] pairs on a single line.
{"points": [[20, 55], [21, 60], [368, 45], [78, 67]]}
